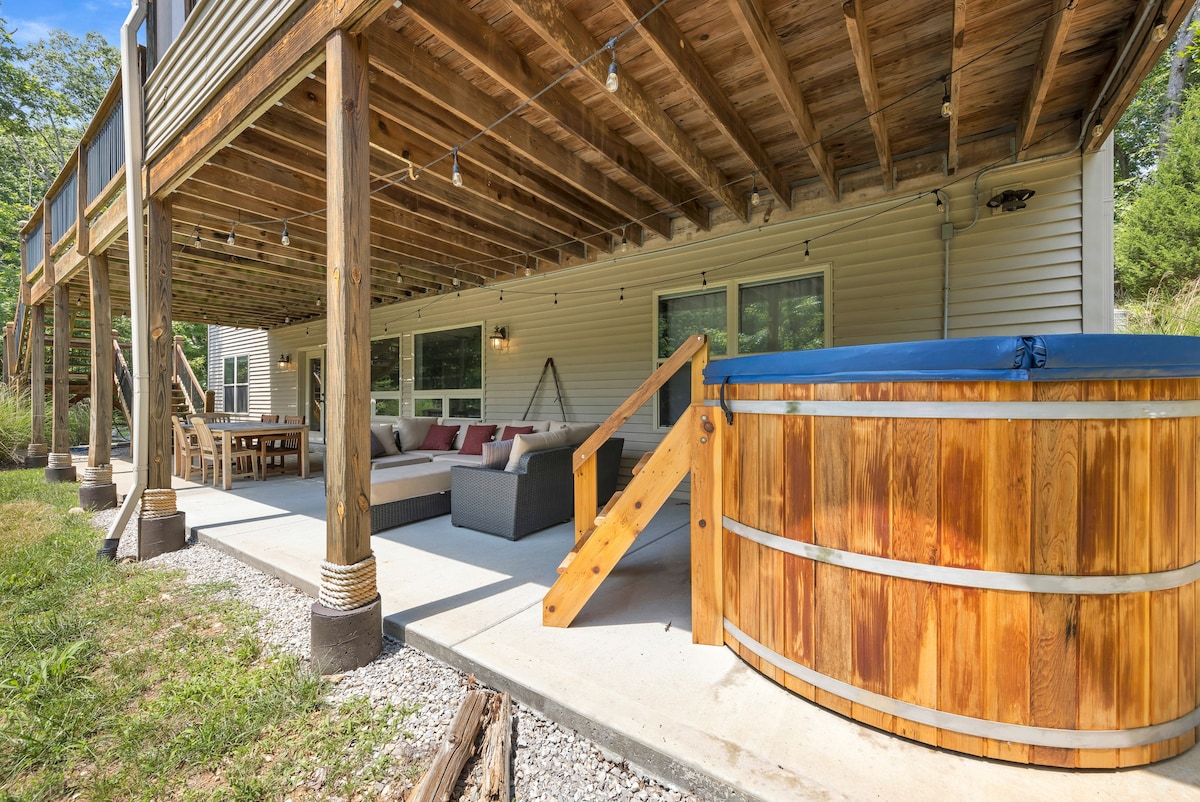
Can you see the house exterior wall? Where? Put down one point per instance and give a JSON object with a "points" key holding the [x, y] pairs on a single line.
{"points": [[1018, 272]]}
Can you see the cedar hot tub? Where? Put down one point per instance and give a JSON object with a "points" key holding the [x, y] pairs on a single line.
{"points": [[988, 545]]}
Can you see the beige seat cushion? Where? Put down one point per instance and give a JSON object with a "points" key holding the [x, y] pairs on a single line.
{"points": [[409, 481], [538, 441], [396, 460]]}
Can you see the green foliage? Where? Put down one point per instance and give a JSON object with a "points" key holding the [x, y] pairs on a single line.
{"points": [[1166, 313], [16, 422], [120, 682], [1158, 236]]}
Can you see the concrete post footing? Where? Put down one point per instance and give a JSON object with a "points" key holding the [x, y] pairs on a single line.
{"points": [[343, 640], [98, 497], [161, 535], [36, 460], [66, 474]]}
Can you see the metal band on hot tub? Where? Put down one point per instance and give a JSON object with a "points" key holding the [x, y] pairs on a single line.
{"points": [[972, 577], [971, 410], [968, 725]]}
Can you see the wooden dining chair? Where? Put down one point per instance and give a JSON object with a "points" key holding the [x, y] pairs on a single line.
{"points": [[269, 418], [241, 460], [280, 449], [187, 451]]}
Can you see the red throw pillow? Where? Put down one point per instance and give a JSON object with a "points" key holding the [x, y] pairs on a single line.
{"points": [[477, 435], [440, 438], [512, 431]]}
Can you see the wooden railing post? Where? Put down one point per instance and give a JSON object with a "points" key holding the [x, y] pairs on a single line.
{"points": [[82, 231], [708, 614], [60, 362]]}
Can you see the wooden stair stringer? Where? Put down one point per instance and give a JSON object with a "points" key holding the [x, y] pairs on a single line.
{"points": [[599, 553]]}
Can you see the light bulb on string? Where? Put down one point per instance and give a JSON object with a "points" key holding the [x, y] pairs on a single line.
{"points": [[196, 237], [806, 250], [229, 240], [501, 296], [755, 197], [624, 242], [285, 240], [703, 279], [556, 299], [1160, 27], [456, 177], [947, 109], [622, 299], [612, 83], [938, 194]]}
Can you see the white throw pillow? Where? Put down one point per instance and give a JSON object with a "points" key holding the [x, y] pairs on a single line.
{"points": [[577, 432], [538, 441]]}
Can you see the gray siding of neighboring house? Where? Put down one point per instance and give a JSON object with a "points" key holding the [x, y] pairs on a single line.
{"points": [[1019, 272]]}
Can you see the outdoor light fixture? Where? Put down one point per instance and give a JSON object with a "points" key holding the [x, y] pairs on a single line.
{"points": [[285, 362], [612, 83], [947, 109], [285, 240], [1010, 200], [755, 197], [499, 338], [196, 237], [230, 239]]}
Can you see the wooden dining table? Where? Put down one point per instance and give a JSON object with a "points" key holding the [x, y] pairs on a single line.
{"points": [[246, 429]]}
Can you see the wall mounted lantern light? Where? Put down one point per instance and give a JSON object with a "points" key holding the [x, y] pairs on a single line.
{"points": [[285, 362], [499, 338]]}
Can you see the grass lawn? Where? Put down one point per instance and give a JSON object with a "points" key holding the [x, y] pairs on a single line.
{"points": [[119, 682]]}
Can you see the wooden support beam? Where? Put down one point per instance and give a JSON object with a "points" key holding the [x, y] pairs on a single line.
{"points": [[82, 230], [707, 552], [1053, 37], [348, 455], [765, 44], [566, 34], [100, 431], [409, 65], [860, 44], [159, 266], [60, 441], [660, 31], [957, 60], [474, 39], [279, 64], [37, 373]]}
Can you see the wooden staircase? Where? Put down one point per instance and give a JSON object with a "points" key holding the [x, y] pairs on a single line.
{"points": [[602, 539]]}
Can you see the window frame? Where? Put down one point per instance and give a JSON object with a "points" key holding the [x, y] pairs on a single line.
{"points": [[732, 287], [446, 395], [227, 386], [396, 395]]}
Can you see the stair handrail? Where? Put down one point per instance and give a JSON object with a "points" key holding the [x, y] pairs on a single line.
{"points": [[694, 349], [124, 377], [185, 377]]}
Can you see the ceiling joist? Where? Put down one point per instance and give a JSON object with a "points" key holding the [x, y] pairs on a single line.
{"points": [[860, 44]]}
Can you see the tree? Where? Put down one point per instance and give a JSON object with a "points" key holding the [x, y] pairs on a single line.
{"points": [[1158, 236]]}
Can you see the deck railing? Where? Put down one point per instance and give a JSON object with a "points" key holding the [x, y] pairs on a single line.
{"points": [[35, 245], [105, 150], [64, 204]]}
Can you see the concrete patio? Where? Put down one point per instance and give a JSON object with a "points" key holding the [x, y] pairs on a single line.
{"points": [[626, 674]]}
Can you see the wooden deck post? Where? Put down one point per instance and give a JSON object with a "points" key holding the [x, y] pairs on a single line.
{"points": [[10, 351], [159, 266], [60, 364], [100, 434], [83, 239], [36, 458], [347, 630]]}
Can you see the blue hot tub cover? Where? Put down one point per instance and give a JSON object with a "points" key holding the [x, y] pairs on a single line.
{"points": [[1054, 357]]}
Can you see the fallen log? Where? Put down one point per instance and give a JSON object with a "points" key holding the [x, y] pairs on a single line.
{"points": [[456, 749], [497, 751]]}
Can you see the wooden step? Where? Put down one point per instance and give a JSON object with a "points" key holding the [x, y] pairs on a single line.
{"points": [[642, 462], [604, 512], [566, 561]]}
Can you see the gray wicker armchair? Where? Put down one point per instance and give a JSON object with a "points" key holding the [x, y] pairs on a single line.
{"points": [[540, 493]]}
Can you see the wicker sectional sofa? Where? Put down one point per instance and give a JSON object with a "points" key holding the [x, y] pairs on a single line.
{"points": [[410, 483]]}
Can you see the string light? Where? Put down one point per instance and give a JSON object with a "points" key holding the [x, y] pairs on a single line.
{"points": [[556, 299], [612, 83], [622, 300], [1160, 26], [196, 237], [455, 173], [501, 295], [947, 109], [703, 279], [937, 193], [230, 238], [285, 240], [624, 242], [806, 250], [755, 198]]}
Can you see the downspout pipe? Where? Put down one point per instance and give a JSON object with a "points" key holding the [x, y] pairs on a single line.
{"points": [[135, 151]]}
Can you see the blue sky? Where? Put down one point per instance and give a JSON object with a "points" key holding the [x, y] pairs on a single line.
{"points": [[30, 20]]}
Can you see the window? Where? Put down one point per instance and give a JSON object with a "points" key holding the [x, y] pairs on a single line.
{"points": [[237, 383], [385, 378], [777, 314], [448, 373]]}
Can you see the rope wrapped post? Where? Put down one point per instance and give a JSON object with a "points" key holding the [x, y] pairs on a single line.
{"points": [[347, 623], [161, 528], [97, 491], [59, 468], [35, 455]]}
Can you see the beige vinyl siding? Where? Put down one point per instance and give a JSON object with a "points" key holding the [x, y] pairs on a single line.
{"points": [[228, 342], [217, 39], [1017, 272]]}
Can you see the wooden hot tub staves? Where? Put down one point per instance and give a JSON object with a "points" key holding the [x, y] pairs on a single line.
{"points": [[1070, 638]]}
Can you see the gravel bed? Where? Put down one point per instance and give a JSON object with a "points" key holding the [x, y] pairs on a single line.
{"points": [[550, 763]]}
